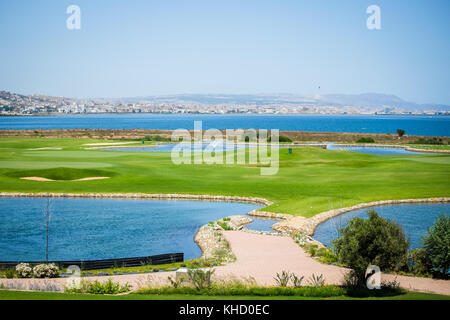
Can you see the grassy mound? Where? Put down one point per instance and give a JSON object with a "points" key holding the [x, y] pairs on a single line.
{"points": [[60, 173]]}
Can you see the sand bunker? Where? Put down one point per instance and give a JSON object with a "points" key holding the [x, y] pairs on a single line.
{"points": [[47, 148], [45, 179], [109, 143]]}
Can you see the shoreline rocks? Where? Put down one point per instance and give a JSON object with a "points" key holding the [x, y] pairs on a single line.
{"points": [[150, 196]]}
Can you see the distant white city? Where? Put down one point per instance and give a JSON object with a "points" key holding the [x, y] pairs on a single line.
{"points": [[17, 104]]}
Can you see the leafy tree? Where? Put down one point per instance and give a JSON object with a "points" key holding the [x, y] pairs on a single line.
{"points": [[437, 244], [400, 132], [372, 241]]}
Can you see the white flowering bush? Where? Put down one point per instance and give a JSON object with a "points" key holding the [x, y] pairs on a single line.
{"points": [[24, 270], [46, 271]]}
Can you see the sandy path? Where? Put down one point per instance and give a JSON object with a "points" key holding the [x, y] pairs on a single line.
{"points": [[262, 257]]}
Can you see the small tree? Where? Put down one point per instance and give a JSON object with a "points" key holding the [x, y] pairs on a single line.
{"points": [[437, 244], [400, 132], [373, 241]]}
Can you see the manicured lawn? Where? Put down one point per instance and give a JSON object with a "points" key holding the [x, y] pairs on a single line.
{"points": [[20, 295], [309, 181]]}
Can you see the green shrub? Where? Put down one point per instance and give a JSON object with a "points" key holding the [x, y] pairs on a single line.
{"points": [[10, 273], [437, 245], [224, 225], [201, 279], [155, 138], [97, 287], [282, 279], [296, 281], [316, 281], [373, 241], [433, 141], [311, 249], [419, 263], [281, 139], [365, 140], [400, 132]]}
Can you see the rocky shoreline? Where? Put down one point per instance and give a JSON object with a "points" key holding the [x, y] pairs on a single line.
{"points": [[252, 200]]}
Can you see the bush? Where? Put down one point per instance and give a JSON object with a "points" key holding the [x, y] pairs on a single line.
{"points": [[281, 139], [97, 287], [437, 245], [155, 138], [201, 279], [373, 241], [400, 132], [418, 262], [224, 226], [282, 279], [316, 281], [46, 271], [23, 270], [433, 141], [365, 140]]}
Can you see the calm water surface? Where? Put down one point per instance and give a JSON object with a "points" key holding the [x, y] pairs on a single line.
{"points": [[414, 218], [106, 228], [413, 125], [381, 151]]}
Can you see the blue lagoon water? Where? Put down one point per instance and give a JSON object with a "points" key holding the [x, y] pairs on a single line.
{"points": [[413, 125], [381, 151], [168, 148], [261, 224], [106, 228], [414, 218]]}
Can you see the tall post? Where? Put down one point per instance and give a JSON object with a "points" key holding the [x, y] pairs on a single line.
{"points": [[47, 222]]}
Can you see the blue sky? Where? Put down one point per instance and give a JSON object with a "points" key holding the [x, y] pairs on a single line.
{"points": [[136, 48]]}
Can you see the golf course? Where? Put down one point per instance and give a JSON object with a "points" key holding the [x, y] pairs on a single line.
{"points": [[309, 181]]}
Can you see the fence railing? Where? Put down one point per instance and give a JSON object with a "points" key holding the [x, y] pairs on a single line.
{"points": [[106, 263]]}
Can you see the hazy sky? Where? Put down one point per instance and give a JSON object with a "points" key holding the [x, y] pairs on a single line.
{"points": [[136, 48]]}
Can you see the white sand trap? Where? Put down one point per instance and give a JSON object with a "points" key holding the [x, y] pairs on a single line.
{"points": [[36, 179], [45, 179], [92, 178], [109, 144]]}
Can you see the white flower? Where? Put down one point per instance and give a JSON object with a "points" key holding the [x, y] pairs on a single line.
{"points": [[24, 270]]}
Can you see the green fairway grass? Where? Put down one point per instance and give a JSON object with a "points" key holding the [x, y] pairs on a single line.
{"points": [[21, 295], [309, 181]]}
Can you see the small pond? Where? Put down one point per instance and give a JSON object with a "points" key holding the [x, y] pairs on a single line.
{"points": [[414, 218], [83, 228], [381, 151]]}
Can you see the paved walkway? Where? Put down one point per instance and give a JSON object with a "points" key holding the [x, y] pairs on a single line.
{"points": [[261, 257]]}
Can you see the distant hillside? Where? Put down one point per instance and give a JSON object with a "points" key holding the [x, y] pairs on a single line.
{"points": [[370, 100]]}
